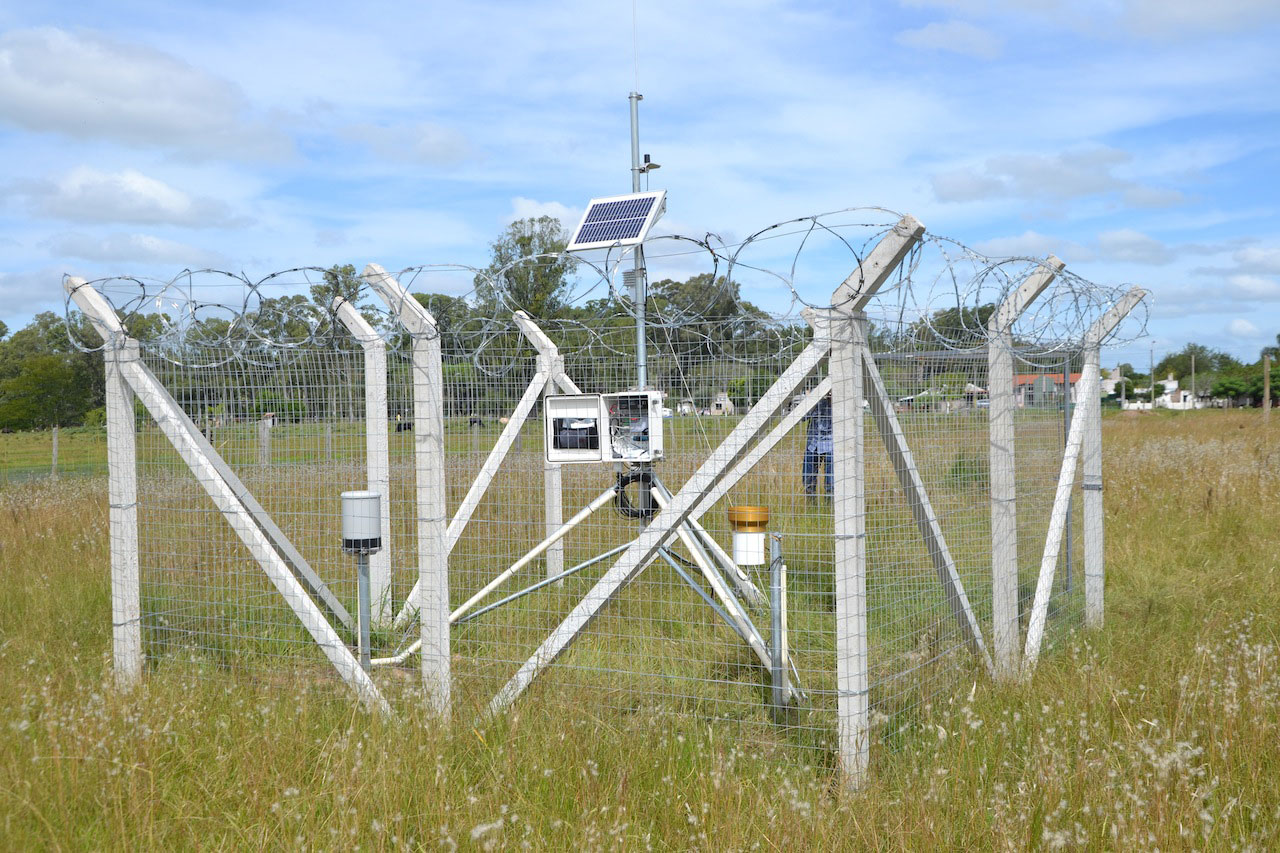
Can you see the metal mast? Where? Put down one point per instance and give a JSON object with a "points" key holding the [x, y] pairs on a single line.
{"points": [[640, 285]]}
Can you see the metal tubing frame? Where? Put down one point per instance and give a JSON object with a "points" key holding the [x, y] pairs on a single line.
{"points": [[532, 554], [377, 451], [746, 628], [1005, 628]]}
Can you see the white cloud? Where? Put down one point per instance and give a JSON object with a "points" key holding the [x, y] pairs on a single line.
{"points": [[527, 208], [422, 142], [136, 248], [88, 86], [1185, 17], [128, 196], [1242, 328], [1067, 175], [1130, 246], [1150, 18], [24, 293], [1033, 244], [1248, 286], [1259, 259], [954, 36]]}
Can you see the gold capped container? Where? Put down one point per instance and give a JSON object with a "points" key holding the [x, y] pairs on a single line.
{"points": [[749, 524]]}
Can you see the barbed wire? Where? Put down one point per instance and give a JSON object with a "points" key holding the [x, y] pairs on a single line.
{"points": [[940, 298]]}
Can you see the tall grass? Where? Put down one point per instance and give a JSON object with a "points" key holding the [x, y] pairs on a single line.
{"points": [[1163, 730]]}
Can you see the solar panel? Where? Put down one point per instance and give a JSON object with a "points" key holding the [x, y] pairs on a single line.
{"points": [[622, 220]]}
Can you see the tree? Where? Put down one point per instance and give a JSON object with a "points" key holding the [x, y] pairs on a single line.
{"points": [[50, 390], [1124, 388], [516, 279], [4, 330], [1207, 361], [1231, 387], [451, 313], [342, 280], [960, 326], [1274, 351]]}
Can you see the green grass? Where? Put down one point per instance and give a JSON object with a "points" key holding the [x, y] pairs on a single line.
{"points": [[1163, 730]]}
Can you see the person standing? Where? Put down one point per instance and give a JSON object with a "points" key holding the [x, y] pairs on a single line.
{"points": [[817, 449]]}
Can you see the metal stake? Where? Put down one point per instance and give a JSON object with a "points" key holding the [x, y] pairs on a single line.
{"points": [[778, 628], [363, 605]]}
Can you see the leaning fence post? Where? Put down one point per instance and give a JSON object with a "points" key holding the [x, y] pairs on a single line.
{"points": [[1003, 466]]}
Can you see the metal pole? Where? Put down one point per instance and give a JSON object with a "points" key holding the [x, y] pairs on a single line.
{"points": [[1193, 382], [1266, 390], [778, 626], [640, 292], [362, 583]]}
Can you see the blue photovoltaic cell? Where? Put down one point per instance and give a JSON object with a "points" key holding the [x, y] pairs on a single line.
{"points": [[615, 220]]}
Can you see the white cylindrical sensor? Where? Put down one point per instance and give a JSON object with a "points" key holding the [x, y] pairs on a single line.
{"points": [[749, 523], [748, 549], [361, 522]]}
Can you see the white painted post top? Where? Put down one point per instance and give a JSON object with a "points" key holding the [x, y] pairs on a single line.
{"points": [[354, 320], [413, 316], [856, 291], [1107, 323], [536, 336], [96, 307], [1024, 294]]}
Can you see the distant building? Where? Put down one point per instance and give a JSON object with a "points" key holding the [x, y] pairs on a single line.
{"points": [[1042, 389], [722, 405]]}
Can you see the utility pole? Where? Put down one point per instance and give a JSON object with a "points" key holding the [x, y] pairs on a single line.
{"points": [[1266, 389], [1194, 398], [1123, 395], [1151, 392]]}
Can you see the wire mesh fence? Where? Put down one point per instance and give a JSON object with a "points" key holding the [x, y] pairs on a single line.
{"points": [[291, 407]]}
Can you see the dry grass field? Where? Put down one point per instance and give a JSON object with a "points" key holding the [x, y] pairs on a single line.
{"points": [[1161, 731]]}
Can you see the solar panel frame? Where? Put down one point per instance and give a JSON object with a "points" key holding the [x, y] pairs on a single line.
{"points": [[620, 220]]}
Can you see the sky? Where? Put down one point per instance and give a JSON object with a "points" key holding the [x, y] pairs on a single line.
{"points": [[1139, 140]]}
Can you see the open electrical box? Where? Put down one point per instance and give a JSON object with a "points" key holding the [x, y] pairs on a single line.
{"points": [[623, 427]]}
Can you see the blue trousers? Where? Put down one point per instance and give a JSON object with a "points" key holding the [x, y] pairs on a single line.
{"points": [[815, 461]]}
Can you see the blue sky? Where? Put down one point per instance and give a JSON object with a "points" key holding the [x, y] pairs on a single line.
{"points": [[1139, 140]]}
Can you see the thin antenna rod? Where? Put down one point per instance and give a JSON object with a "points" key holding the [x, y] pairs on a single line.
{"points": [[635, 44]]}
